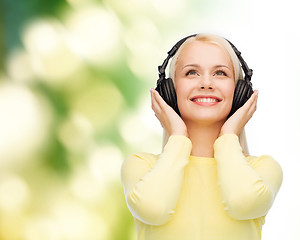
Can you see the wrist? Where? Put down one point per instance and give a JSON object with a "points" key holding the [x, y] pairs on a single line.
{"points": [[222, 133], [178, 132], [229, 131]]}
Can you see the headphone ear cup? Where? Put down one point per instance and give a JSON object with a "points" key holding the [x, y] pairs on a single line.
{"points": [[166, 90], [242, 93]]}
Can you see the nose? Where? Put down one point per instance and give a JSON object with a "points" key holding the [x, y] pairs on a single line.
{"points": [[206, 82]]}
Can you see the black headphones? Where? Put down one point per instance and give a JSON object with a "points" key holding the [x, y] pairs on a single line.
{"points": [[165, 86]]}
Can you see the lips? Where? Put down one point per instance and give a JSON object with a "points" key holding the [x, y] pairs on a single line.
{"points": [[206, 99]]}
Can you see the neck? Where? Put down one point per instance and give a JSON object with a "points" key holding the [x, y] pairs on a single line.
{"points": [[203, 138]]}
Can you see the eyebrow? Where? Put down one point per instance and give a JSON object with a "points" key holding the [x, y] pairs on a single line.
{"points": [[217, 66], [198, 66], [191, 65]]}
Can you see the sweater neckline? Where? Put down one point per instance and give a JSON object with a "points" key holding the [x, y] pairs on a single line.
{"points": [[202, 159]]}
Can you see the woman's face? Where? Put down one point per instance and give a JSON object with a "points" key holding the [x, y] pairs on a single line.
{"points": [[204, 83]]}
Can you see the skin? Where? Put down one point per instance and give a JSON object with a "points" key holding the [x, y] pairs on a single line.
{"points": [[203, 69]]}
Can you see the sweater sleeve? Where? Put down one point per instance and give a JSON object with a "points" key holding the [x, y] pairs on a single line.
{"points": [[248, 186], [152, 186]]}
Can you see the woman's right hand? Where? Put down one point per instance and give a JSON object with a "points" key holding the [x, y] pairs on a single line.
{"points": [[169, 119]]}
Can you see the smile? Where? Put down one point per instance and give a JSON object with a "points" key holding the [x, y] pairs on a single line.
{"points": [[206, 100]]}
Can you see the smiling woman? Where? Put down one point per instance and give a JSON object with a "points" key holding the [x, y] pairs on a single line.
{"points": [[204, 184]]}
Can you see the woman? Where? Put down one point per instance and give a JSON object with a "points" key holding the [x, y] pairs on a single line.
{"points": [[203, 185]]}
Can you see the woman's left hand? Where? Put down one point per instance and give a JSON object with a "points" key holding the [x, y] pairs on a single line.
{"points": [[238, 120]]}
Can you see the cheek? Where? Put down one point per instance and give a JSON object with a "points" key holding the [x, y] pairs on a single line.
{"points": [[180, 89], [228, 90]]}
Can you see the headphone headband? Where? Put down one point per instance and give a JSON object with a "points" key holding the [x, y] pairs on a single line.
{"points": [[171, 53], [162, 68], [248, 72]]}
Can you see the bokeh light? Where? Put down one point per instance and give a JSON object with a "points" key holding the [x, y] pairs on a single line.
{"points": [[51, 55], [14, 194], [19, 66], [140, 38], [99, 103], [95, 34], [24, 123], [76, 133], [105, 163]]}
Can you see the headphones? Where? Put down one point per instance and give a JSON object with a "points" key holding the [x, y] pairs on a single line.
{"points": [[165, 87]]}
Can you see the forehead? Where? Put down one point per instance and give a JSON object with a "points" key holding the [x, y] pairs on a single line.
{"points": [[203, 53]]}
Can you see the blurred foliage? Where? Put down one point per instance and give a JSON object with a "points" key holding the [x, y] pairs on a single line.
{"points": [[16, 13], [73, 79]]}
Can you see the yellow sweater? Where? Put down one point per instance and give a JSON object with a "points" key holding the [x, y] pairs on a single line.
{"points": [[175, 196]]}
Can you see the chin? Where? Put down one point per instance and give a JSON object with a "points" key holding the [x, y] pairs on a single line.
{"points": [[205, 117]]}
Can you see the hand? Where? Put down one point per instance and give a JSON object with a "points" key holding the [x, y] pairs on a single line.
{"points": [[238, 120], [168, 118]]}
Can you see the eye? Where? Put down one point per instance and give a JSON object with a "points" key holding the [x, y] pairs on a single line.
{"points": [[220, 73], [191, 72]]}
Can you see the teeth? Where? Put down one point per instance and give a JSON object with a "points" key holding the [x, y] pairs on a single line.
{"points": [[206, 100]]}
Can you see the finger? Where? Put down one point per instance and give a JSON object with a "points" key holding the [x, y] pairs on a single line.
{"points": [[251, 100], [154, 104], [160, 100], [249, 107], [254, 98], [253, 107]]}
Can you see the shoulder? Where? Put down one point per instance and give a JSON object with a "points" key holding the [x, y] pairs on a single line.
{"points": [[142, 157], [256, 161], [266, 166], [138, 162], [137, 165]]}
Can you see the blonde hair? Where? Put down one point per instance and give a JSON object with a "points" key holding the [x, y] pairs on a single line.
{"points": [[223, 44]]}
